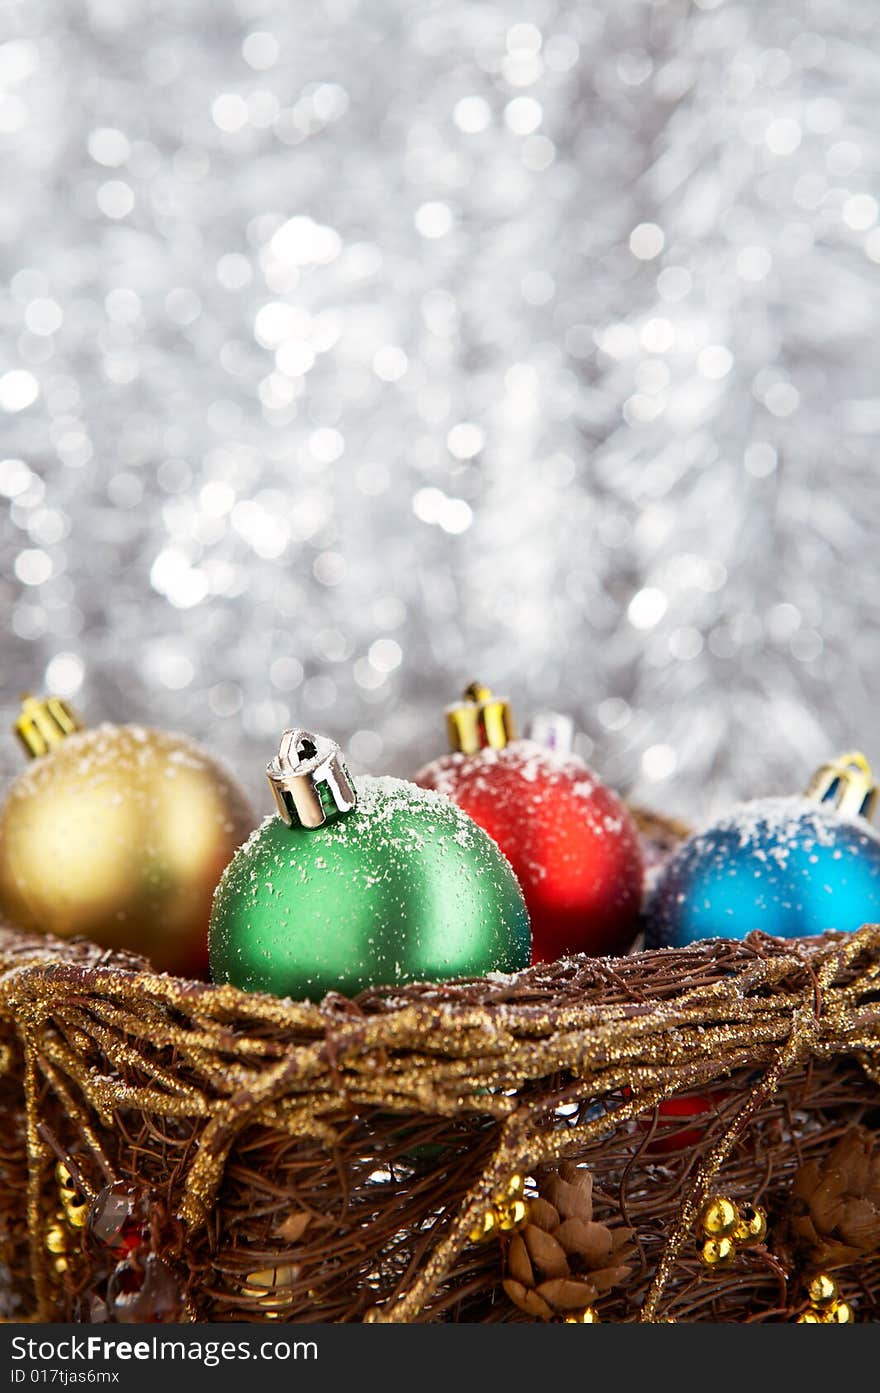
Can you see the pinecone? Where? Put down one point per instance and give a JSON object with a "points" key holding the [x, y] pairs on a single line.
{"points": [[836, 1202], [561, 1260]]}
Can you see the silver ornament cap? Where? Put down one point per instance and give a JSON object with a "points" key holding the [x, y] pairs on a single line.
{"points": [[309, 780], [553, 730]]}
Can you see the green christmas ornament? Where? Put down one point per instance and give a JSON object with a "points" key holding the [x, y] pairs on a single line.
{"points": [[346, 889]]}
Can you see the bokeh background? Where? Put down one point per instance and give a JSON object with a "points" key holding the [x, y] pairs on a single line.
{"points": [[354, 349]]}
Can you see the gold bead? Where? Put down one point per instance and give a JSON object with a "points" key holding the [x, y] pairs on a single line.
{"points": [[811, 1317], [752, 1225], [76, 1212], [589, 1316], [66, 1182], [510, 1216], [76, 1207], [823, 1290], [718, 1217], [838, 1313], [60, 1265], [484, 1227], [509, 1210], [56, 1239], [717, 1252], [267, 1284]]}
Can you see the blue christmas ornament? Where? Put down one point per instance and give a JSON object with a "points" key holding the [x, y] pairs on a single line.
{"points": [[792, 867]]}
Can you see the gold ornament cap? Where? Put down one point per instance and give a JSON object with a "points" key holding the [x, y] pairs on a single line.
{"points": [[44, 722], [480, 721], [848, 784], [309, 780]]}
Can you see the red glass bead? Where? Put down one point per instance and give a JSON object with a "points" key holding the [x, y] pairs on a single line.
{"points": [[118, 1215], [142, 1292]]}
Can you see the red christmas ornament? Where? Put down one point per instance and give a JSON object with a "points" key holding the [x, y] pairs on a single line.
{"points": [[669, 1138], [572, 843]]}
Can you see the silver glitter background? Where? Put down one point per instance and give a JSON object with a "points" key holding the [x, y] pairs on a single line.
{"points": [[352, 350]]}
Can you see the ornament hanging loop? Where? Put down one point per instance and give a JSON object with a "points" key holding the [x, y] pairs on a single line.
{"points": [[848, 784], [481, 721], [309, 780], [553, 730], [44, 722]]}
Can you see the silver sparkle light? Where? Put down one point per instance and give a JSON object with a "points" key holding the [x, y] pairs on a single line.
{"points": [[352, 348]]}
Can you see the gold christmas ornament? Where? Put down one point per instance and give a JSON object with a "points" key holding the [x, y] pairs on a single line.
{"points": [[119, 834]]}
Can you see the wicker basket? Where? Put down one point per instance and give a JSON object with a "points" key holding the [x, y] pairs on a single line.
{"points": [[176, 1151]]}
